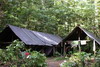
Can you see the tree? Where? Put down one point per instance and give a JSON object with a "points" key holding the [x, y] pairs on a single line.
{"points": [[52, 16]]}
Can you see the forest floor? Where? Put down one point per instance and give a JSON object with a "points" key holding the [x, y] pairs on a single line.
{"points": [[51, 62]]}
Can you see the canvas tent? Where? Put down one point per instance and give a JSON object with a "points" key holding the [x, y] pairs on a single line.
{"points": [[79, 34], [30, 38]]}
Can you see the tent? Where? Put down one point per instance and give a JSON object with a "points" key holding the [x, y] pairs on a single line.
{"points": [[79, 34], [37, 40]]}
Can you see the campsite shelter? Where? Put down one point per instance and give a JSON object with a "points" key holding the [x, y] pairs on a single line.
{"points": [[38, 41], [79, 34]]}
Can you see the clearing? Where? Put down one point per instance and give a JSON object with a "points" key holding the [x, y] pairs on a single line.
{"points": [[51, 62]]}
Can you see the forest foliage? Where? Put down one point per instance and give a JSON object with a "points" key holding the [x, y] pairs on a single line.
{"points": [[52, 16], [82, 59], [16, 55]]}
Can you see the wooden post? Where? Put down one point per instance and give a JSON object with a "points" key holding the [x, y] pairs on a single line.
{"points": [[53, 50], [79, 44], [61, 48], [94, 47], [64, 50]]}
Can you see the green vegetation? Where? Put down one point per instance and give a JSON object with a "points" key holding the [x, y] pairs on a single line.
{"points": [[52, 16], [59, 58], [82, 59], [56, 54], [13, 57]]}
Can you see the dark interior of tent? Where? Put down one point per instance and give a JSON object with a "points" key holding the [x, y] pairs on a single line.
{"points": [[6, 37], [47, 50], [89, 46], [77, 32]]}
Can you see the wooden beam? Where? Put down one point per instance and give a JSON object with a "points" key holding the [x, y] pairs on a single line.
{"points": [[61, 48], [94, 47], [79, 43], [53, 50], [64, 52]]}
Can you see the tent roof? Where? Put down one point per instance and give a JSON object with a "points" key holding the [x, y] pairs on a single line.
{"points": [[33, 37], [78, 31]]}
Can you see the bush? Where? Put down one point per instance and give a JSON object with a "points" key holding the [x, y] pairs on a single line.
{"points": [[82, 59], [56, 54], [13, 57]]}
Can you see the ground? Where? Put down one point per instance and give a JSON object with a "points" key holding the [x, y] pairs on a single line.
{"points": [[51, 62]]}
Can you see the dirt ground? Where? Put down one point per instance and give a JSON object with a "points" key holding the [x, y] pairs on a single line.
{"points": [[53, 63]]}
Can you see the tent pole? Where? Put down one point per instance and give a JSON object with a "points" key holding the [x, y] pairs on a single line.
{"points": [[61, 48], [94, 47], [64, 49], [79, 44], [53, 50]]}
